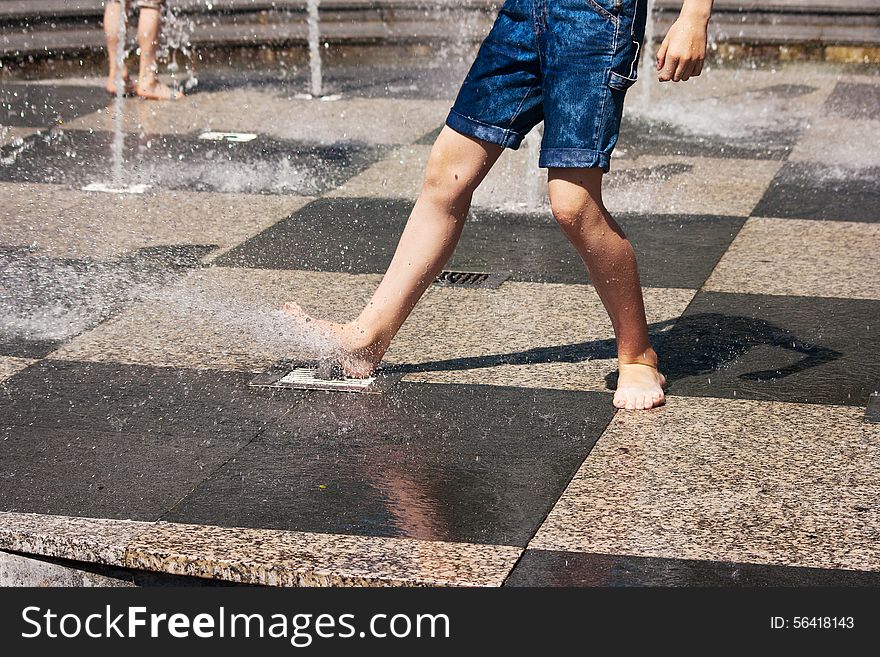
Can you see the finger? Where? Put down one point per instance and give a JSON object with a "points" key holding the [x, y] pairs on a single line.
{"points": [[686, 71], [681, 67], [661, 53], [669, 66], [698, 68]]}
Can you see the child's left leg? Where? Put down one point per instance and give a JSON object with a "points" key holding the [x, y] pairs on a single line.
{"points": [[576, 202]]}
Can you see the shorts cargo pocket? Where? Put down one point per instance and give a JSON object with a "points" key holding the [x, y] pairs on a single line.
{"points": [[618, 81]]}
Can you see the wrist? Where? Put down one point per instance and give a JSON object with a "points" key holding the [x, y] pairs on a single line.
{"points": [[697, 11]]}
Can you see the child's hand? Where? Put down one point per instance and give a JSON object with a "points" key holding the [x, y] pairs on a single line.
{"points": [[683, 50]]}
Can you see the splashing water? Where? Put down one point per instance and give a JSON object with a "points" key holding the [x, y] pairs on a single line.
{"points": [[119, 102], [176, 36], [314, 49], [258, 323], [648, 64]]}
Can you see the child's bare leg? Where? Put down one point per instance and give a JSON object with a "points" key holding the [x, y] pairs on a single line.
{"points": [[113, 13], [148, 86], [576, 201], [456, 166]]}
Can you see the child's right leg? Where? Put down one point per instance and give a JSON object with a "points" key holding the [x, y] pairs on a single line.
{"points": [[114, 11], [456, 167]]}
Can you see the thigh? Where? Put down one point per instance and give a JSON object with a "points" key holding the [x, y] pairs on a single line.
{"points": [[589, 61], [467, 158], [500, 99], [574, 186]]}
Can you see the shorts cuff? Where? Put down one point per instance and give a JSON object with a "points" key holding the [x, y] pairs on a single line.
{"points": [[574, 158], [484, 131]]}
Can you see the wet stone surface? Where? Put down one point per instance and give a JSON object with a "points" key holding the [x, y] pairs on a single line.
{"points": [[119, 441], [805, 190], [47, 301], [485, 468], [359, 235], [76, 158], [855, 101], [559, 568], [501, 436], [797, 349], [39, 105], [639, 136]]}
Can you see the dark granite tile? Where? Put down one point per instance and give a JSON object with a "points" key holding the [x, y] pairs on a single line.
{"points": [[774, 348], [805, 190], [134, 399], [673, 250], [641, 136], [117, 441], [429, 138], [854, 101], [872, 410], [552, 568], [479, 464], [38, 105], [364, 80], [264, 165], [47, 301], [105, 474]]}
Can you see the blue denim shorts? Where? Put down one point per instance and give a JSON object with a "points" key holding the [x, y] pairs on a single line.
{"points": [[566, 62]]}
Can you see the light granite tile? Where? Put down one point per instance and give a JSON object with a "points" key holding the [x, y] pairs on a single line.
{"points": [[9, 365], [280, 558], [81, 539], [26, 207], [523, 334], [728, 480], [101, 226], [671, 184], [841, 141], [399, 175], [277, 114], [738, 102], [515, 183], [223, 318], [801, 258], [534, 335]]}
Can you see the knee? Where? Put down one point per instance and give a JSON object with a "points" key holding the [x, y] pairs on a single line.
{"points": [[446, 177], [577, 210]]}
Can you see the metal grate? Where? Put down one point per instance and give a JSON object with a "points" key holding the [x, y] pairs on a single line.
{"points": [[471, 279], [304, 376]]}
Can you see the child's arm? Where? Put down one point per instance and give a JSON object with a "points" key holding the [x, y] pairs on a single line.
{"points": [[683, 50]]}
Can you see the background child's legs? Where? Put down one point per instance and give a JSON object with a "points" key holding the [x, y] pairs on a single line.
{"points": [[113, 13], [149, 25], [456, 167], [576, 202]]}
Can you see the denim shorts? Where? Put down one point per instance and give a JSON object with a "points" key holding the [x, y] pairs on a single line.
{"points": [[566, 62]]}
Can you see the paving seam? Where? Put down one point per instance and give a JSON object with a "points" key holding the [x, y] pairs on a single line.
{"points": [[556, 501]]}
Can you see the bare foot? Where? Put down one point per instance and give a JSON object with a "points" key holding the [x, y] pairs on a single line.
{"points": [[639, 386], [347, 344], [129, 87], [155, 90]]}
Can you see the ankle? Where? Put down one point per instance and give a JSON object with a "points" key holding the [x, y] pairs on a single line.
{"points": [[645, 357], [368, 334]]}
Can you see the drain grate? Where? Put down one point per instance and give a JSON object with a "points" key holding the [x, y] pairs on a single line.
{"points": [[304, 376], [471, 279], [872, 412]]}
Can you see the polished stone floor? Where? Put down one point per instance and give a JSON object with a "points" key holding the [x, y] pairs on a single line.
{"points": [[132, 325]]}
